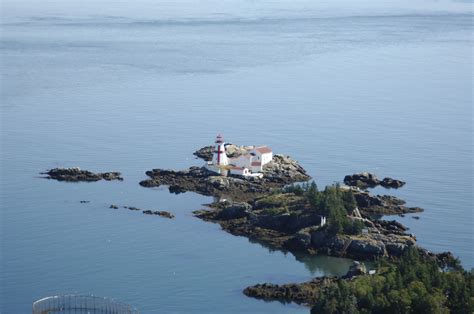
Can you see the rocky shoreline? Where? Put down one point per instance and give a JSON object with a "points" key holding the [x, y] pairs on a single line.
{"points": [[78, 175], [285, 222], [282, 170], [309, 293], [382, 204]]}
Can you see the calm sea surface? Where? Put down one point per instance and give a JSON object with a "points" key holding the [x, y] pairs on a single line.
{"points": [[121, 87]]}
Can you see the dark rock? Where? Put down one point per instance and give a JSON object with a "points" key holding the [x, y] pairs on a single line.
{"points": [[365, 248], [84, 202], [161, 213], [319, 239], [366, 200], [415, 217], [78, 175], [362, 180], [286, 222], [205, 153], [132, 208], [366, 180], [392, 183], [300, 242], [176, 189], [302, 293], [113, 206], [235, 210], [391, 225], [381, 204], [396, 248]]}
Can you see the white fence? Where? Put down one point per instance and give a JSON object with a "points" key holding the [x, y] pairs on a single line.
{"points": [[81, 304]]}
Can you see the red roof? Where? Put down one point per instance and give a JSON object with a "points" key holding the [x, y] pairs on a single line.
{"points": [[235, 168], [264, 150], [256, 163]]}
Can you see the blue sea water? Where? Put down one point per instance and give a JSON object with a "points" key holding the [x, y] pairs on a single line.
{"points": [[341, 87]]}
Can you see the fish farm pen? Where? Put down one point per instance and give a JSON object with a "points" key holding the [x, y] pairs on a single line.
{"points": [[81, 304]]}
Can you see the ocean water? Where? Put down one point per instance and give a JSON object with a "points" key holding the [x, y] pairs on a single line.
{"points": [[112, 86]]}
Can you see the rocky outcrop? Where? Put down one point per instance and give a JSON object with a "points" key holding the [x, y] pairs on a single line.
{"points": [[234, 210], [366, 180], [284, 170], [288, 225], [392, 183], [362, 180], [78, 175], [301, 293], [285, 222], [382, 204], [132, 208], [382, 239], [205, 153], [161, 213], [280, 171]]}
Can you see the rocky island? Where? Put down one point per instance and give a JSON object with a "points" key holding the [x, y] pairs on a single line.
{"points": [[302, 219], [260, 201], [77, 175], [278, 172], [368, 180]]}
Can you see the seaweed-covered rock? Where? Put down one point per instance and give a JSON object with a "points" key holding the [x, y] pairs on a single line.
{"points": [[77, 175]]}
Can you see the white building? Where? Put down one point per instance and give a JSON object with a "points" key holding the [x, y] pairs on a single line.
{"points": [[248, 164], [263, 153]]}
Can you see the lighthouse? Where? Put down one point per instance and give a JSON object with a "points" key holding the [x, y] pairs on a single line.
{"points": [[247, 161], [220, 155]]}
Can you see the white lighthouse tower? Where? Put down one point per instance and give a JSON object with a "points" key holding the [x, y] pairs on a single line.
{"points": [[220, 157]]}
